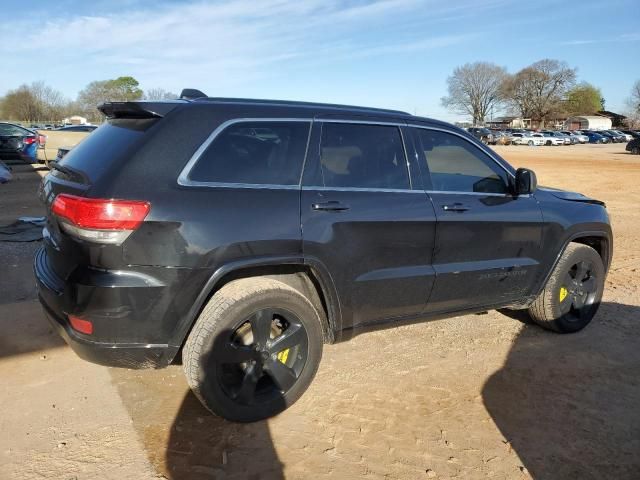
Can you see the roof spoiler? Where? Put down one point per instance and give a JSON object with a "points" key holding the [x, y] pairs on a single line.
{"points": [[137, 109], [191, 94]]}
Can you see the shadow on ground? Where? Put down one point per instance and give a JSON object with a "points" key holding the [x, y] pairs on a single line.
{"points": [[183, 440], [24, 329], [203, 446], [567, 404]]}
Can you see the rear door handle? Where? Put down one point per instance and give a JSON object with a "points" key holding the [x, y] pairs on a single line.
{"points": [[456, 207], [331, 205]]}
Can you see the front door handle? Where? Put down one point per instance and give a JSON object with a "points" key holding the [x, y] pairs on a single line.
{"points": [[456, 207], [331, 205]]}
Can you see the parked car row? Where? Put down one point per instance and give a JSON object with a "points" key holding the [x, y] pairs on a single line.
{"points": [[520, 136], [33, 146]]}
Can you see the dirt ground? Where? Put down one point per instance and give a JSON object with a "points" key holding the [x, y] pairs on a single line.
{"points": [[478, 396]]}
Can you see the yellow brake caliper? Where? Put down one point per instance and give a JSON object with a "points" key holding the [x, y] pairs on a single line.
{"points": [[563, 294], [283, 355]]}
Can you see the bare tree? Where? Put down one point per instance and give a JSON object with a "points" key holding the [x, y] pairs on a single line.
{"points": [[633, 106], [635, 97], [474, 89], [539, 89], [50, 101], [159, 94], [35, 103]]}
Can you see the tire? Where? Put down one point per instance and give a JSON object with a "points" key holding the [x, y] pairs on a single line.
{"points": [[530, 143], [231, 360], [549, 143], [566, 304], [635, 151]]}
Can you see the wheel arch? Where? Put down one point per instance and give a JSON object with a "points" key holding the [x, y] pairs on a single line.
{"points": [[599, 240], [308, 277]]}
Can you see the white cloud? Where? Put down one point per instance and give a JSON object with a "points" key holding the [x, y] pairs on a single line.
{"points": [[228, 42], [626, 37]]}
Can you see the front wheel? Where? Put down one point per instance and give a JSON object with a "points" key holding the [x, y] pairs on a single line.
{"points": [[254, 349], [530, 143], [572, 295], [635, 151]]}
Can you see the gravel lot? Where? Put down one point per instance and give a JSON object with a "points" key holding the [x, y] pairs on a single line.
{"points": [[478, 396]]}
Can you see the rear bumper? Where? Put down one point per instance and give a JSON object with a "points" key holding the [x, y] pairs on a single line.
{"points": [[59, 298], [111, 355], [26, 156]]}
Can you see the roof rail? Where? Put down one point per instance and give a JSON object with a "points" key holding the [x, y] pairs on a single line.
{"points": [[293, 103]]}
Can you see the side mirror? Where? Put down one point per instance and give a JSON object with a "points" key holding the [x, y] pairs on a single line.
{"points": [[526, 181]]}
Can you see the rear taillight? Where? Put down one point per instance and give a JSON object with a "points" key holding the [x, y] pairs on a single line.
{"points": [[42, 140], [99, 220], [29, 140]]}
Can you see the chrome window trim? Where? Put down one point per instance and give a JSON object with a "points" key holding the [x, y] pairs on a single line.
{"points": [[361, 189], [362, 122], [487, 152], [185, 181], [268, 186], [480, 194]]}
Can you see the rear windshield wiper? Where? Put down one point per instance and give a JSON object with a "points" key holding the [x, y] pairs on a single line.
{"points": [[71, 173]]}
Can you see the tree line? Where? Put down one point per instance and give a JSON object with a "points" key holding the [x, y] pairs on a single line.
{"points": [[542, 91], [38, 102]]}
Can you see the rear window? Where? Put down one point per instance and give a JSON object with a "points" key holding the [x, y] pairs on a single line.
{"points": [[13, 130], [255, 153], [112, 140]]}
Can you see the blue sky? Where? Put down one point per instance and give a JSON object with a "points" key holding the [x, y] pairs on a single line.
{"points": [[384, 53]]}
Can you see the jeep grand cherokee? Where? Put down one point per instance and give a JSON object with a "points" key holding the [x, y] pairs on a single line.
{"points": [[244, 234]]}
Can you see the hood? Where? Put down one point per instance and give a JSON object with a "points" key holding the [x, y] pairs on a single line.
{"points": [[571, 196]]}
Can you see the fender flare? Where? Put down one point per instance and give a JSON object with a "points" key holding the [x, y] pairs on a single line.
{"points": [[326, 284], [608, 255]]}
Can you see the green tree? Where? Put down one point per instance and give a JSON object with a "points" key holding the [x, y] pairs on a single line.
{"points": [[584, 99], [121, 89]]}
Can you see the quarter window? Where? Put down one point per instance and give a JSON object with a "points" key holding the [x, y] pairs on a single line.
{"points": [[362, 156], [255, 153], [456, 165]]}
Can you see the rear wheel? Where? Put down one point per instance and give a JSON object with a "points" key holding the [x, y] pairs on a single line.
{"points": [[254, 350], [572, 295], [635, 150]]}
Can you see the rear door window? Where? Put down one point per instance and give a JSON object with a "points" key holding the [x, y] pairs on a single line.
{"points": [[255, 153], [362, 156]]}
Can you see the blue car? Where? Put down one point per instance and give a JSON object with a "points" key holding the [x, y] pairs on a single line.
{"points": [[596, 137], [17, 143]]}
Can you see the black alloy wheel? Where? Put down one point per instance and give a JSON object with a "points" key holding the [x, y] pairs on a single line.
{"points": [[578, 291], [262, 358]]}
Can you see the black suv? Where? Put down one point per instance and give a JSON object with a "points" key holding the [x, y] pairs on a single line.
{"points": [[481, 133], [241, 235]]}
